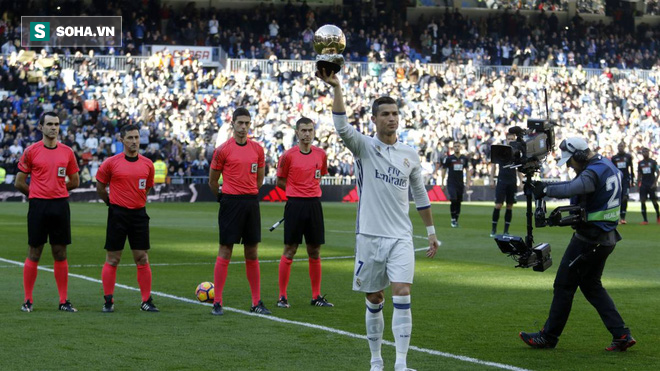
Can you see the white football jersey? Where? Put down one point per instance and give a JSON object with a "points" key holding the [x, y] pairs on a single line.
{"points": [[384, 172]]}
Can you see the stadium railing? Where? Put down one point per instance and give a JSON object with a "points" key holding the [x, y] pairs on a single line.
{"points": [[308, 66], [120, 63], [103, 62]]}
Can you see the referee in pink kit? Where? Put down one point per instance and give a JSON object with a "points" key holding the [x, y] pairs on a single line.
{"points": [[129, 176], [48, 163], [299, 173], [240, 161]]}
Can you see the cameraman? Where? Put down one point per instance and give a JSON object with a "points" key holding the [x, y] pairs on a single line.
{"points": [[597, 188]]}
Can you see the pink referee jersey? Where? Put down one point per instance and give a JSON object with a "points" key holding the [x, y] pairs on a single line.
{"points": [[238, 165], [303, 171], [48, 168], [128, 180]]}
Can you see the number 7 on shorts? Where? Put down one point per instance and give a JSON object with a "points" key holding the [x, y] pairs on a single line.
{"points": [[360, 264]]}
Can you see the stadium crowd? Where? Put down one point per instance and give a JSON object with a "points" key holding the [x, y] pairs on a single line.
{"points": [[183, 109], [503, 38], [454, 103]]}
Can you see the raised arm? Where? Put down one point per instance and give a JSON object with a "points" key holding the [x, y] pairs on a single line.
{"points": [[353, 140]]}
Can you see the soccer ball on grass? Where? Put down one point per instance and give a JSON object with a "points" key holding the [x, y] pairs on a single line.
{"points": [[205, 292]]}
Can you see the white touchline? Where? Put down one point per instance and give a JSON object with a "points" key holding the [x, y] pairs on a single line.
{"points": [[282, 320]]}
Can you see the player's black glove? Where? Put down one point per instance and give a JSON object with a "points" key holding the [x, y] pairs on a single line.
{"points": [[539, 190]]}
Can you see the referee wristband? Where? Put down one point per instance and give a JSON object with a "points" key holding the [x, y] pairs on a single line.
{"points": [[430, 230]]}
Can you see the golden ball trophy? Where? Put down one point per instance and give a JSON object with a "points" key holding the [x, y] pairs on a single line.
{"points": [[329, 43]]}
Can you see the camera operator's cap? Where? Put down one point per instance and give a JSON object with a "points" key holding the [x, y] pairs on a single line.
{"points": [[568, 148]]}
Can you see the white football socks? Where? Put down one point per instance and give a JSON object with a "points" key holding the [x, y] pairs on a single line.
{"points": [[401, 328], [375, 325]]}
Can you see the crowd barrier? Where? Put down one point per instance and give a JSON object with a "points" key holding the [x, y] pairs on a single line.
{"points": [[307, 67]]}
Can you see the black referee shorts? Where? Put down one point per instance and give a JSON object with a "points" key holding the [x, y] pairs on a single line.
{"points": [[505, 191], [49, 220], [646, 192], [131, 223], [304, 216], [239, 219], [455, 192]]}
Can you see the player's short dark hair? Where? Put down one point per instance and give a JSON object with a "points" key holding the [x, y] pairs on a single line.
{"points": [[240, 111], [303, 121], [378, 102], [126, 128], [42, 118]]}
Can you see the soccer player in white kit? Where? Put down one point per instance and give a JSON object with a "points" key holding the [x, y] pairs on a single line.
{"points": [[384, 252]]}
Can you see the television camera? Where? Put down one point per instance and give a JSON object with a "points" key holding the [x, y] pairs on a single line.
{"points": [[530, 147], [526, 153]]}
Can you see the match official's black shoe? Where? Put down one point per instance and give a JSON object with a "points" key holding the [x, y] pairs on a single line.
{"points": [[109, 305], [538, 340], [621, 344], [67, 307], [148, 306], [27, 306], [260, 308], [283, 303], [217, 309], [320, 301]]}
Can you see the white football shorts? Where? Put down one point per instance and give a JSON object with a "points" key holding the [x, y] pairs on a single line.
{"points": [[381, 260]]}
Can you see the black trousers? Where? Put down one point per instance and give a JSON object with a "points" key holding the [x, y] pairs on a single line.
{"points": [[585, 273]]}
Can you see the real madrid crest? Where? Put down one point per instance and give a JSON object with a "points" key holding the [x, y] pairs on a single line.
{"points": [[406, 162]]}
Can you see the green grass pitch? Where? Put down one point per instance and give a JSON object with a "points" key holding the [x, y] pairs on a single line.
{"points": [[469, 303]]}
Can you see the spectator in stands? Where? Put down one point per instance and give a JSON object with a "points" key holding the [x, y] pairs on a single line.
{"points": [[16, 148]]}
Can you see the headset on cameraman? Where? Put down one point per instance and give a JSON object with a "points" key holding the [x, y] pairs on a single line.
{"points": [[579, 155]]}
